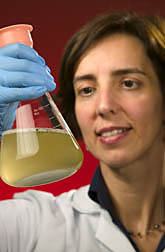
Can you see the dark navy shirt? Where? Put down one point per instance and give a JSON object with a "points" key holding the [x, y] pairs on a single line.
{"points": [[99, 193]]}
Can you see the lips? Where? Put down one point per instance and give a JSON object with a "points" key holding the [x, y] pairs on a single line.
{"points": [[111, 136], [110, 131]]}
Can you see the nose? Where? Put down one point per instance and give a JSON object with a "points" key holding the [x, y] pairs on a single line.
{"points": [[107, 103]]}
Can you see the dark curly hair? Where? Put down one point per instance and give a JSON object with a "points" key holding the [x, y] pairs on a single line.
{"points": [[150, 30]]}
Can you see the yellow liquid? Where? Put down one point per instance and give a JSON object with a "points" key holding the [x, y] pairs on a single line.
{"points": [[33, 157]]}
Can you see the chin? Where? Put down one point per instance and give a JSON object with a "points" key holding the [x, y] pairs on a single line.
{"points": [[117, 162]]}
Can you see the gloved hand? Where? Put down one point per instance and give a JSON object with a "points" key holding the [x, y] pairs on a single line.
{"points": [[23, 76]]}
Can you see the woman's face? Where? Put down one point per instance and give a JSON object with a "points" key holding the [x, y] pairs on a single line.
{"points": [[119, 105]]}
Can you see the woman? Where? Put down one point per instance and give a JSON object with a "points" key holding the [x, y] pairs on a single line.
{"points": [[113, 75]]}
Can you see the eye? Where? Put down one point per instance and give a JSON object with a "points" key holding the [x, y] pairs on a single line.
{"points": [[130, 84], [86, 91]]}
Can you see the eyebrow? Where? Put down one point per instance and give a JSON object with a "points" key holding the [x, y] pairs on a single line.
{"points": [[117, 72], [128, 71], [84, 77]]}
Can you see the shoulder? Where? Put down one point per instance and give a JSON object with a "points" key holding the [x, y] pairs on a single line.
{"points": [[36, 217]]}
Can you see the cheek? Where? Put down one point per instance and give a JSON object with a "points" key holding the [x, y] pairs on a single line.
{"points": [[146, 113], [83, 116]]}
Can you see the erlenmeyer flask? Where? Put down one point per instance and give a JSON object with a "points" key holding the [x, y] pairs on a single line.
{"points": [[41, 149]]}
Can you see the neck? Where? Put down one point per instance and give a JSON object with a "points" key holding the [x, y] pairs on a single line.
{"points": [[141, 188]]}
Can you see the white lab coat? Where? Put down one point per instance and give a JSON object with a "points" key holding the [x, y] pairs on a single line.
{"points": [[37, 221]]}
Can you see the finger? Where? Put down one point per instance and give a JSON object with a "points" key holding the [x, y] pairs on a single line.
{"points": [[21, 94], [23, 79], [23, 65], [8, 120], [21, 51]]}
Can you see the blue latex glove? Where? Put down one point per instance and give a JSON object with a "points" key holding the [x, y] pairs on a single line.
{"points": [[23, 76]]}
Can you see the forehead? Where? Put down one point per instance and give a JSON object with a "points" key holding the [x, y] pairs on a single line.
{"points": [[116, 51]]}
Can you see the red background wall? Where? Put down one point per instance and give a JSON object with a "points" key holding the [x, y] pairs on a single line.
{"points": [[54, 22]]}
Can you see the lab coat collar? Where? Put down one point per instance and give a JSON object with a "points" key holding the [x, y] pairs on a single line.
{"points": [[106, 231], [82, 203], [111, 236]]}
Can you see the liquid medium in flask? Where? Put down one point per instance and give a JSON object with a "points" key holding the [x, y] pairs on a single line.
{"points": [[41, 149]]}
